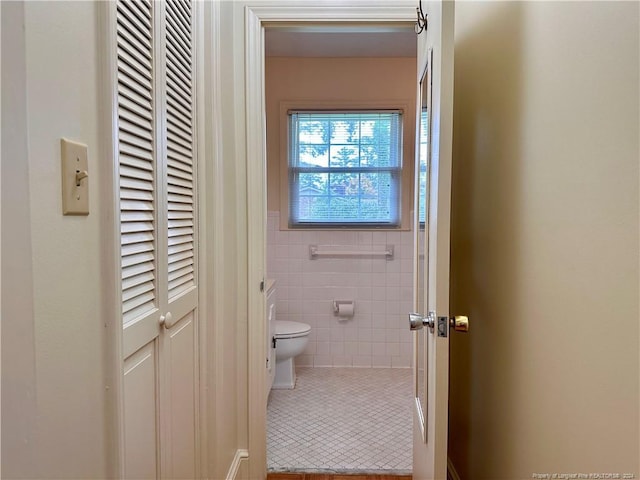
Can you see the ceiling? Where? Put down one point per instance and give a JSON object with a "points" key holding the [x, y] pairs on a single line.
{"points": [[341, 41]]}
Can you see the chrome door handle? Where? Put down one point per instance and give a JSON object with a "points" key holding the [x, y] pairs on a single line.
{"points": [[417, 321]]}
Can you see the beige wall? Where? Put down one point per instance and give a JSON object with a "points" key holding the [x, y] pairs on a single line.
{"points": [[333, 81], [56, 411], [53, 360], [545, 239]]}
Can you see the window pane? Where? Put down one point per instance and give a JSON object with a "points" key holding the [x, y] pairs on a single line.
{"points": [[312, 184], [342, 184], [345, 168], [368, 156], [313, 209], [313, 131], [369, 186], [375, 210], [345, 208], [343, 156], [368, 131], [313, 156], [345, 131]]}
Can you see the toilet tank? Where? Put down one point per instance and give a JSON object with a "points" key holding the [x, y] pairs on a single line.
{"points": [[270, 329]]}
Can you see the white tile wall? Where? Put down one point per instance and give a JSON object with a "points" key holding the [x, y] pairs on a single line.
{"points": [[378, 334]]}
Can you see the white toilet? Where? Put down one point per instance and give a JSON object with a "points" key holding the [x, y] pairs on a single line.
{"points": [[291, 338]]}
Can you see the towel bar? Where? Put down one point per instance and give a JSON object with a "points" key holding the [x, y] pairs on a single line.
{"points": [[316, 251]]}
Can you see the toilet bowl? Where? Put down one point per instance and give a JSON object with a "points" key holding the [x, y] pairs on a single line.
{"points": [[291, 338]]}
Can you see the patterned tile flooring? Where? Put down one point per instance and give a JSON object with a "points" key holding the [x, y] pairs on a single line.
{"points": [[345, 420]]}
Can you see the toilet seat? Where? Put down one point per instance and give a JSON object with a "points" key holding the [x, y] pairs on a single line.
{"points": [[286, 329]]}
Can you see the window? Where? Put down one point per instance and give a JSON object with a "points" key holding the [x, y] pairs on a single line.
{"points": [[345, 168]]}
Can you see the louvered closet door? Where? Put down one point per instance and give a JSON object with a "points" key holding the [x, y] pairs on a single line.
{"points": [[141, 299], [180, 344], [156, 164]]}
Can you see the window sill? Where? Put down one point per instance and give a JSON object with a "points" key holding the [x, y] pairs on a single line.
{"points": [[344, 229]]}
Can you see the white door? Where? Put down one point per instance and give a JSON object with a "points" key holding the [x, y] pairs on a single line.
{"points": [[155, 125], [431, 259]]}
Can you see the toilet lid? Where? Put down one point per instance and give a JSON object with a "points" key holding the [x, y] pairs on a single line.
{"points": [[286, 329]]}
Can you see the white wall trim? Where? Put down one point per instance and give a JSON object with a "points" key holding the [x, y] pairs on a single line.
{"points": [[452, 473], [256, 241], [202, 220], [235, 464], [256, 14], [111, 233], [212, 208]]}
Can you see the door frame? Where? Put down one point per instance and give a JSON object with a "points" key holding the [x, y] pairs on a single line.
{"points": [[256, 15]]}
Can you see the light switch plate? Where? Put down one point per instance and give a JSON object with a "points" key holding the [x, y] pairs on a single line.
{"points": [[75, 178]]}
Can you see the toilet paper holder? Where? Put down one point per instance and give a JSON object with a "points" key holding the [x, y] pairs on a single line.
{"points": [[344, 312]]}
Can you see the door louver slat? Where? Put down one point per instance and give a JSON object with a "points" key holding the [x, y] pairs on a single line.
{"points": [[127, 193], [134, 162], [137, 173], [137, 254], [178, 232], [179, 131], [180, 161], [181, 195], [179, 114], [136, 130], [183, 263], [180, 147], [135, 149], [132, 102], [135, 157], [141, 11], [128, 22], [180, 223], [132, 184], [183, 9], [182, 247], [180, 175], [140, 237], [137, 82], [141, 268], [178, 257]]}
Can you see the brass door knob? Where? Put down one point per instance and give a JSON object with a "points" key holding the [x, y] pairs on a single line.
{"points": [[459, 323]]}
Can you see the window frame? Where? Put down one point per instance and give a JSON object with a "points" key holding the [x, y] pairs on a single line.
{"points": [[394, 171], [405, 170]]}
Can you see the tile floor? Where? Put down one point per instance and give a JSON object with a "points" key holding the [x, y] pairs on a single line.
{"points": [[342, 420]]}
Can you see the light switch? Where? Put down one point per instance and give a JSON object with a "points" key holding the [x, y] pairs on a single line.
{"points": [[75, 178]]}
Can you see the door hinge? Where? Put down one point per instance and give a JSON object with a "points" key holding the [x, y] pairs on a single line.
{"points": [[262, 286]]}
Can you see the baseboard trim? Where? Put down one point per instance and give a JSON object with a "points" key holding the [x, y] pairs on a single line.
{"points": [[235, 464], [452, 473]]}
